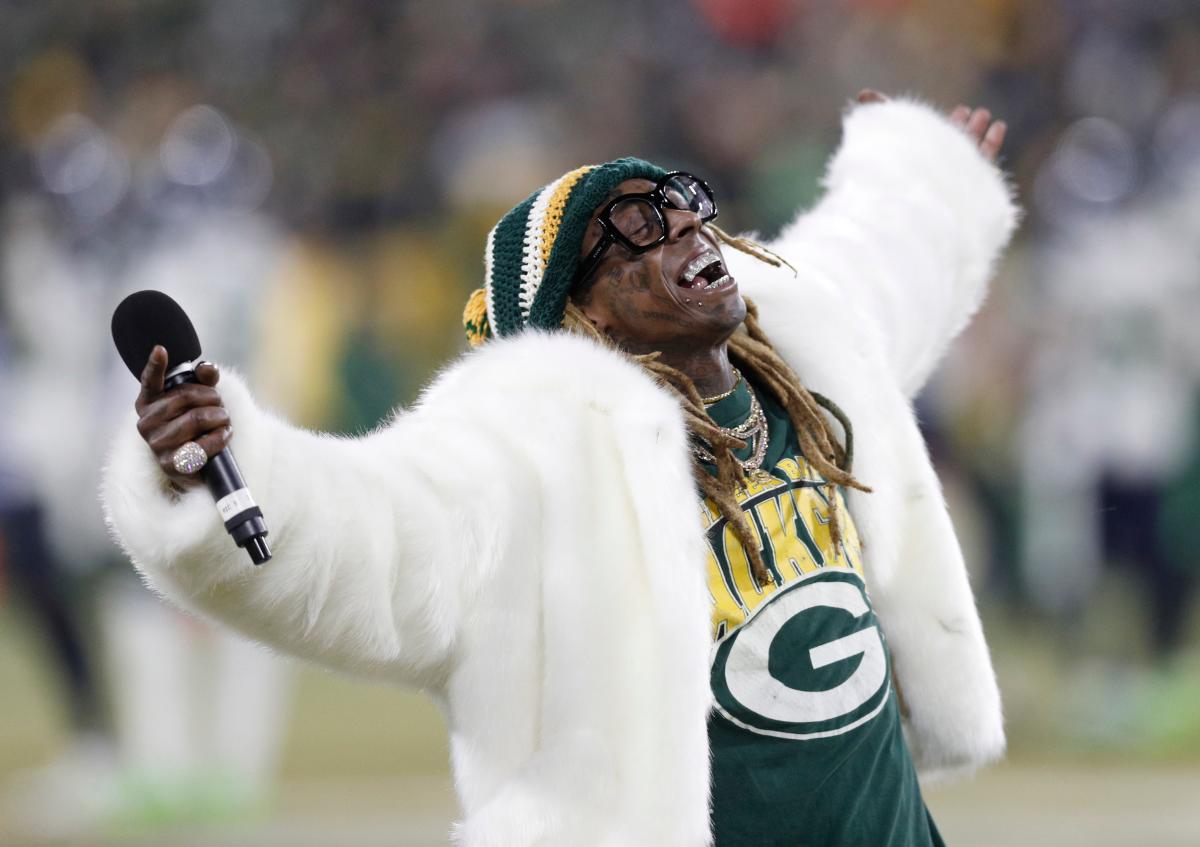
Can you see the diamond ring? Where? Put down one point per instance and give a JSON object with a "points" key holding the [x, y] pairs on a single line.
{"points": [[189, 458]]}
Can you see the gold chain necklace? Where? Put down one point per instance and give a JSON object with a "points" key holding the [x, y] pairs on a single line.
{"points": [[708, 401], [754, 425]]}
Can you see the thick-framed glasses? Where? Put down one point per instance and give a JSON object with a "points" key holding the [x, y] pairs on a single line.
{"points": [[637, 222]]}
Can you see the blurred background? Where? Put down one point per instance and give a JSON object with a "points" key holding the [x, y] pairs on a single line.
{"points": [[314, 181]]}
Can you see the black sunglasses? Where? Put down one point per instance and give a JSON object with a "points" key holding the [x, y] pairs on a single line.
{"points": [[637, 220]]}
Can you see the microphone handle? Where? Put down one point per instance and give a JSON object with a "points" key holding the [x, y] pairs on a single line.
{"points": [[242, 517]]}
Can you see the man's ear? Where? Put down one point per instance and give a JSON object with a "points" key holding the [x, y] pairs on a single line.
{"points": [[595, 313]]}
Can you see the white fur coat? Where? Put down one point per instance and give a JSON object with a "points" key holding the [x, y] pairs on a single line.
{"points": [[525, 542]]}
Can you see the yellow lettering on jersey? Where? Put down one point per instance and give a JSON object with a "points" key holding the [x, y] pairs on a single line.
{"points": [[792, 522], [739, 566], [778, 517], [726, 608], [819, 525], [791, 469], [757, 483]]}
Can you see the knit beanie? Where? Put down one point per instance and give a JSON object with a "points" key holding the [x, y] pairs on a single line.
{"points": [[532, 254]]}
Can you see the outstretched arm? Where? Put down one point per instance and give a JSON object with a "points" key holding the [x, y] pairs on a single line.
{"points": [[914, 215], [368, 534]]}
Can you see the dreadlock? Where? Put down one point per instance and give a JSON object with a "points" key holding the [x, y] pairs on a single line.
{"points": [[750, 350]]}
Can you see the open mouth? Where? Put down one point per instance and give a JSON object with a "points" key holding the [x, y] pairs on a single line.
{"points": [[704, 273]]}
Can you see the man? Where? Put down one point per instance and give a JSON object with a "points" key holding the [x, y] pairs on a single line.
{"points": [[525, 542]]}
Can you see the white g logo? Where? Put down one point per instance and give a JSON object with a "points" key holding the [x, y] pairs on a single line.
{"points": [[750, 693]]}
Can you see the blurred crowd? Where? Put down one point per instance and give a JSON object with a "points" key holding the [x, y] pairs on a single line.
{"points": [[314, 181]]}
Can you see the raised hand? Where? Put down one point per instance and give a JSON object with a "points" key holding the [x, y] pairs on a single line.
{"points": [[977, 123], [190, 412]]}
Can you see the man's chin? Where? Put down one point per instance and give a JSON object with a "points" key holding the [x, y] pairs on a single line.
{"points": [[736, 313]]}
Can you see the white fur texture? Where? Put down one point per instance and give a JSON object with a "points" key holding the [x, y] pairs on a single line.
{"points": [[891, 264], [525, 542], [912, 220]]}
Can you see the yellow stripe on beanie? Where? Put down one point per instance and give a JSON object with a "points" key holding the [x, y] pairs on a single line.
{"points": [[554, 209]]}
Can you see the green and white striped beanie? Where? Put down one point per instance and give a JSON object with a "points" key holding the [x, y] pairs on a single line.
{"points": [[532, 254]]}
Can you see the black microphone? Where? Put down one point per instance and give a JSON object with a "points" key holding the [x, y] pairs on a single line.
{"points": [[149, 318]]}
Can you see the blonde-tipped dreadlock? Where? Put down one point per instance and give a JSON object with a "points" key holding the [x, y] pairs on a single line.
{"points": [[753, 353]]}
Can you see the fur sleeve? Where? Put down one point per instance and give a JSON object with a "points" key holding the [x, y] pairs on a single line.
{"points": [[912, 220], [368, 542]]}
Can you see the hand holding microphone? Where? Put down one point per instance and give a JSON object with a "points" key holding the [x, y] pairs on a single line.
{"points": [[189, 413], [180, 414]]}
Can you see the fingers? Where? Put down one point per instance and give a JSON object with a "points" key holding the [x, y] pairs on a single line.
{"points": [[978, 124], [992, 141], [189, 412], [208, 374], [216, 441], [192, 411], [189, 426], [175, 403], [154, 373], [211, 443], [152, 377]]}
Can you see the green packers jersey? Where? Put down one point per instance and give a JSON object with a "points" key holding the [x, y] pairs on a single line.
{"points": [[805, 733]]}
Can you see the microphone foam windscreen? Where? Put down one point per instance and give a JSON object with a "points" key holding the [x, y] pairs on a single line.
{"points": [[147, 318]]}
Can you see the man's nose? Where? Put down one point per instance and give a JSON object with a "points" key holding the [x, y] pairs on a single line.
{"points": [[681, 222]]}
